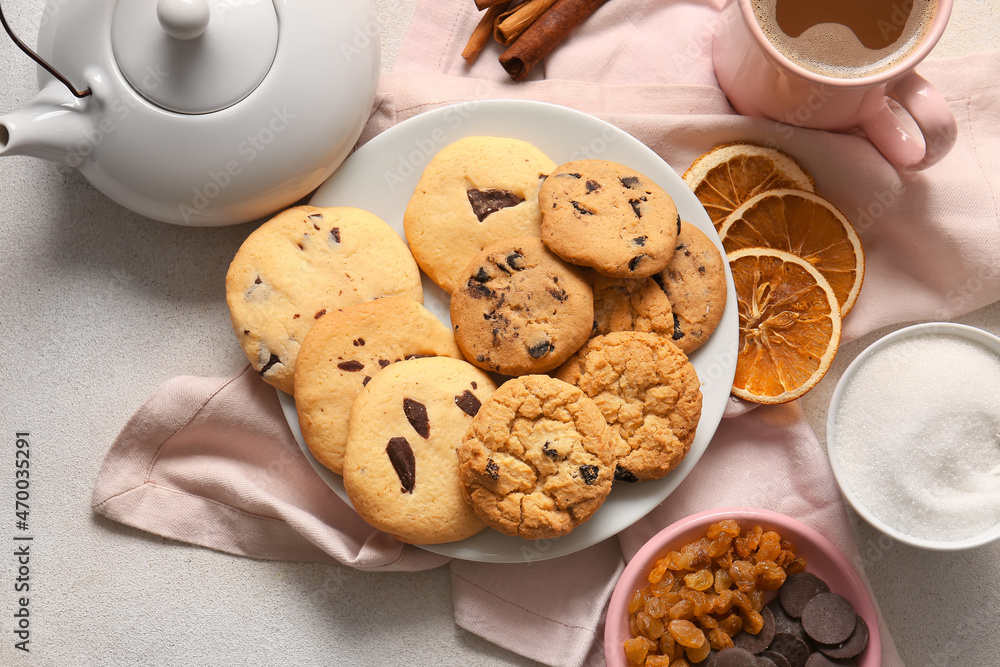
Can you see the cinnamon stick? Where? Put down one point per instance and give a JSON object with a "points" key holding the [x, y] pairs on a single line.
{"points": [[486, 4], [483, 31], [544, 35], [513, 22]]}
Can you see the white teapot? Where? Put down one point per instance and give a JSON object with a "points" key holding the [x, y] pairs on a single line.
{"points": [[200, 112]]}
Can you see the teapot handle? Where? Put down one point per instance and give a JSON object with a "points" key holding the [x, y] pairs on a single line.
{"points": [[38, 59]]}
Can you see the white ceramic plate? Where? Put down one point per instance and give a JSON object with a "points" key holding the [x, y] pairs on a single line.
{"points": [[381, 176]]}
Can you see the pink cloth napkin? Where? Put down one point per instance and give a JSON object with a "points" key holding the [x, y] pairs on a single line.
{"points": [[210, 461]]}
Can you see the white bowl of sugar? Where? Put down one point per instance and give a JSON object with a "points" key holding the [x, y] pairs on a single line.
{"points": [[913, 435]]}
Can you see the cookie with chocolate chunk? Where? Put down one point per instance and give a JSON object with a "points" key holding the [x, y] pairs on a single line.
{"points": [[648, 392], [520, 309], [609, 217], [474, 192], [302, 263], [344, 350], [400, 466], [536, 461], [695, 284]]}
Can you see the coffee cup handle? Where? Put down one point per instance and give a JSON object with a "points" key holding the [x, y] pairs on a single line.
{"points": [[931, 113]]}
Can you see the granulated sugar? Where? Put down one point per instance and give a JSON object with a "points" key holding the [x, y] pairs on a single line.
{"points": [[917, 435]]}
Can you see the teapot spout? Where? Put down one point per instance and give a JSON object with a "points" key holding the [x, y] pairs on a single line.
{"points": [[47, 128]]}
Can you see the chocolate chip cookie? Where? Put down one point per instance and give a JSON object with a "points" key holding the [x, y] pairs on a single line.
{"points": [[648, 392], [537, 461], [344, 350], [625, 304], [695, 284], [302, 263], [520, 309], [400, 466], [474, 192], [609, 217]]}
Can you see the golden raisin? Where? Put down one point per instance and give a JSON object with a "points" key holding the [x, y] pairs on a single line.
{"points": [[656, 574], [638, 600], [731, 624], [753, 622], [797, 565], [743, 575], [686, 633], [637, 648], [683, 609], [657, 661], [771, 578], [707, 622], [700, 580], [723, 581], [725, 527], [680, 662], [718, 639], [696, 655], [648, 626], [663, 585]]}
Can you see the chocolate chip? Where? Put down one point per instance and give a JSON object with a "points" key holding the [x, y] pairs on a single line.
{"points": [[678, 223], [468, 402], [734, 657], [383, 363], [366, 380], [550, 451], [401, 456], [854, 644], [793, 649], [257, 281], [590, 474], [592, 185], [477, 290], [558, 293], [785, 623], [678, 333], [765, 662], [296, 316], [270, 362], [301, 247], [351, 366], [776, 659], [514, 260], [817, 659], [629, 181], [799, 588], [582, 210], [319, 314], [829, 618], [634, 262], [416, 414], [492, 469], [417, 356], [571, 175], [485, 202], [624, 475], [246, 332], [481, 275], [639, 240], [314, 216], [539, 350], [359, 342], [760, 641], [474, 385], [635, 204]]}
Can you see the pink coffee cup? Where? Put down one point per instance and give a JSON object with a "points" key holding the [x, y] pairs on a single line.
{"points": [[761, 81]]}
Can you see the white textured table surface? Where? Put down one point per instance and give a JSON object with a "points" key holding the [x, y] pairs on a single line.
{"points": [[99, 306]]}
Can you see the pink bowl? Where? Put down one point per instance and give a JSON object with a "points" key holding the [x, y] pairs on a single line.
{"points": [[822, 557]]}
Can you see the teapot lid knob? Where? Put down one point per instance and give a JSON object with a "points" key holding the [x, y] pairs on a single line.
{"points": [[183, 19], [194, 56]]}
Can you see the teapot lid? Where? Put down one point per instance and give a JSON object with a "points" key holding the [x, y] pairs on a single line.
{"points": [[194, 56]]}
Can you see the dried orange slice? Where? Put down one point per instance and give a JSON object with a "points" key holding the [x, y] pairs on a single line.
{"points": [[728, 175], [789, 325], [807, 225]]}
